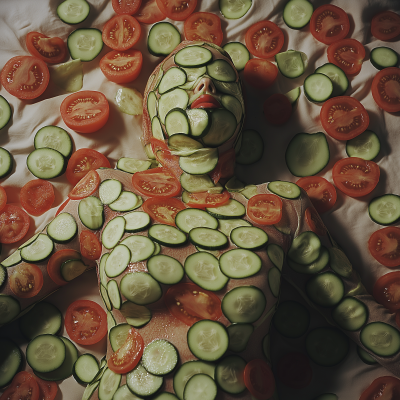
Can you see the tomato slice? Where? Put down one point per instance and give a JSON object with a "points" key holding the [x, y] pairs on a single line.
{"points": [[321, 192], [385, 25], [122, 66], [384, 246], [194, 302], [37, 196], [204, 26], [264, 39], [387, 289], [344, 117], [126, 6], [23, 386], [47, 389], [121, 32], [3, 198], [14, 224], [163, 209], [225, 167], [277, 109], [26, 280], [62, 206], [259, 379], [177, 10], [165, 158], [259, 73], [314, 221], [355, 177], [329, 24], [294, 370], [128, 355], [25, 77], [347, 54], [385, 89], [55, 262], [86, 186], [50, 50], [205, 199], [90, 245], [382, 388], [149, 13], [156, 182], [265, 209], [83, 161], [85, 322]]}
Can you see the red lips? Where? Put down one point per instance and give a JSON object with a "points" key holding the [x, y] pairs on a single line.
{"points": [[206, 101]]}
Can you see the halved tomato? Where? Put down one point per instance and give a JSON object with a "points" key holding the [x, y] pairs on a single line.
{"points": [[126, 6], [259, 73], [47, 389], [86, 186], [385, 25], [385, 89], [347, 54], [294, 370], [204, 26], [50, 50], [169, 161], [163, 209], [149, 13], [277, 109], [37, 196], [177, 10], [90, 245], [55, 262], [14, 224], [387, 290], [205, 199], [355, 177], [265, 209], [314, 221], [3, 198], [321, 192], [85, 322], [329, 24], [23, 386], [259, 379], [190, 303], [25, 77], [121, 32], [122, 66], [264, 39], [26, 280], [384, 246], [344, 117], [382, 388]]}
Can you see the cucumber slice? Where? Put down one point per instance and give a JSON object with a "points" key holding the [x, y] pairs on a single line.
{"points": [[117, 260], [140, 288], [129, 101], [287, 190], [173, 78], [252, 147], [238, 53], [177, 98], [234, 185], [193, 74], [91, 212], [339, 262], [183, 145], [291, 319], [118, 335], [152, 105], [109, 383], [9, 308], [6, 162], [55, 138], [325, 289], [365, 146], [167, 235], [229, 374], [317, 266], [274, 281], [207, 238], [127, 201], [227, 225], [102, 269], [239, 336], [305, 248], [69, 76], [142, 383], [381, 339], [250, 238], [365, 356], [293, 95], [164, 396], [105, 298], [276, 255], [157, 129], [200, 387], [10, 361], [141, 247], [232, 209], [196, 183], [132, 165], [73, 12], [113, 232], [350, 314], [71, 269], [199, 122], [38, 250], [234, 9], [86, 367], [163, 38], [63, 228], [85, 44], [137, 221], [339, 79], [176, 122], [29, 241], [385, 210], [114, 294], [384, 57], [123, 393], [266, 345], [165, 269], [297, 13], [5, 112], [221, 70], [134, 314], [201, 162], [45, 163], [290, 63], [157, 249], [318, 87], [193, 56], [240, 263], [233, 105], [109, 190], [160, 357], [13, 259]]}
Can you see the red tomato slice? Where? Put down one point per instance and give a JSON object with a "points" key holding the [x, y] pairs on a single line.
{"points": [[149, 13], [321, 192], [265, 209], [329, 24], [387, 290], [294, 370], [204, 26], [90, 245], [385, 25], [50, 50], [344, 117], [85, 322], [347, 54], [156, 182], [23, 386], [14, 224], [194, 302], [85, 111], [86, 186], [205, 199], [121, 32], [355, 177], [3, 198], [26, 280], [225, 167], [384, 245], [163, 209], [277, 109], [126, 6], [264, 39], [385, 89], [382, 388], [25, 77], [47, 389], [314, 221], [260, 74], [55, 262], [62, 206], [83, 161], [177, 10], [37, 196], [259, 379], [122, 66], [128, 355]]}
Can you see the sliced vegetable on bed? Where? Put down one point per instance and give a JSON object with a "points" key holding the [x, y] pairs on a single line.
{"points": [[175, 10], [347, 54], [383, 245], [5, 112], [339, 79], [384, 57], [260, 73], [121, 32], [37, 196], [297, 13], [385, 25], [49, 49], [203, 26], [69, 76], [73, 12], [15, 224], [126, 6], [385, 209], [85, 44], [264, 39], [384, 89]]}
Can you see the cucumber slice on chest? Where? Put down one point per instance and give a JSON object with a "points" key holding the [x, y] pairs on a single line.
{"points": [[385, 210], [109, 190], [223, 126], [240, 263], [167, 235], [86, 368], [339, 79], [381, 339], [85, 44], [109, 384]]}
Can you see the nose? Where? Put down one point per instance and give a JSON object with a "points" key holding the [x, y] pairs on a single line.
{"points": [[205, 85]]}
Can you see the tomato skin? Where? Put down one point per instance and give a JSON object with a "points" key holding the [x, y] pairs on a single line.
{"points": [[177, 10], [259, 379], [47, 389], [187, 294], [114, 32], [260, 74], [3, 198], [294, 370], [15, 73], [62, 206], [344, 117], [386, 291], [321, 24], [355, 177], [204, 26], [205, 199], [77, 111], [89, 245], [321, 192], [126, 6], [85, 322], [314, 221], [55, 261], [383, 245], [26, 280], [225, 167], [37, 196], [39, 45], [385, 25], [264, 39], [14, 224], [265, 209], [112, 69], [163, 209], [384, 387], [347, 54], [277, 109], [383, 89], [149, 13], [86, 186], [168, 161], [23, 386]]}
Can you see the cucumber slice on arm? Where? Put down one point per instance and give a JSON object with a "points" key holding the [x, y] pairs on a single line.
{"points": [[350, 314], [165, 269]]}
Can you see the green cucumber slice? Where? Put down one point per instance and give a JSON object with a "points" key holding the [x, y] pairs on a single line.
{"points": [[140, 288], [276, 255], [86, 367], [232, 209], [134, 314], [297, 13], [152, 105], [207, 238], [69, 75], [325, 289], [137, 221], [6, 162], [117, 261], [233, 105], [114, 294], [240, 263], [177, 98], [71, 269], [55, 138], [199, 122], [196, 183], [318, 87], [287, 190], [238, 53], [113, 232], [165, 269], [85, 44], [159, 357], [167, 235], [173, 78], [118, 335], [350, 314], [293, 95], [109, 190], [45, 163], [38, 250], [274, 281], [234, 9], [305, 248], [365, 146], [129, 101], [339, 262], [290, 63], [163, 38], [91, 212], [127, 201], [73, 12], [239, 336], [227, 225], [109, 383], [339, 79], [385, 210], [250, 238], [5, 112], [365, 356], [10, 361], [132, 165], [13, 259], [193, 56], [201, 162], [141, 247], [317, 266], [381, 339], [176, 122]]}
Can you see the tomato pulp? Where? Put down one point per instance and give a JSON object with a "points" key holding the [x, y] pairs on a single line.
{"points": [[204, 26], [86, 186], [26, 280], [163, 209], [126, 6], [177, 10], [50, 50], [384, 246], [37, 196], [23, 386], [387, 291], [383, 388], [385, 89], [14, 224], [90, 245], [385, 25], [121, 32], [265, 209], [347, 54], [259, 73]]}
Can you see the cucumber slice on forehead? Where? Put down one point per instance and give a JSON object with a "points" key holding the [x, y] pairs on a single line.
{"points": [[173, 77], [190, 218], [192, 74], [193, 56]]}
